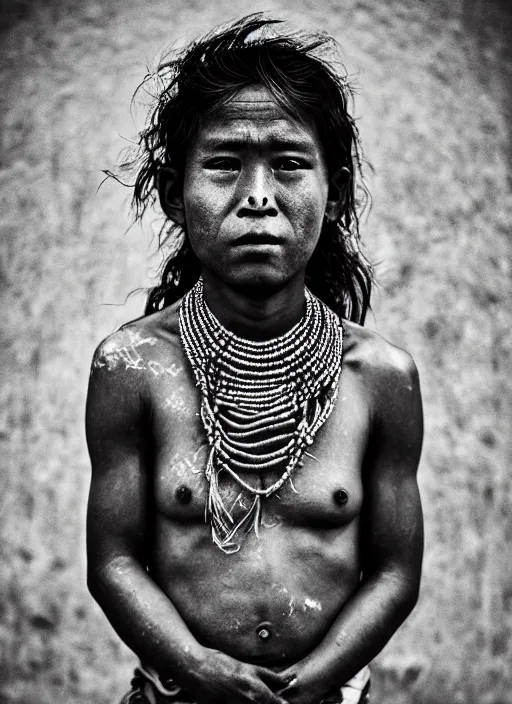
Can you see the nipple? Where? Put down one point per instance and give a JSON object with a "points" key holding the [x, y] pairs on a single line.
{"points": [[183, 494], [340, 497]]}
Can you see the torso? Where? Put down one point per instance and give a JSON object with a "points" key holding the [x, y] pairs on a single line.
{"points": [[291, 580]]}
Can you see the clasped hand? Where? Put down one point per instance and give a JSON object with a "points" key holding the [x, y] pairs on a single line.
{"points": [[225, 680]]}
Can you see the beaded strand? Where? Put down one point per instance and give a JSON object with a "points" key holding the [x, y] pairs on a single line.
{"points": [[285, 387]]}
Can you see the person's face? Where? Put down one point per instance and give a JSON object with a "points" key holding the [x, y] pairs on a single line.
{"points": [[254, 192]]}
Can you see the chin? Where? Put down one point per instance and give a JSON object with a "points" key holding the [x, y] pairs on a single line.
{"points": [[257, 284]]}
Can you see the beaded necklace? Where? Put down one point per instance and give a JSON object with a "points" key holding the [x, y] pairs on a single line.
{"points": [[262, 403]]}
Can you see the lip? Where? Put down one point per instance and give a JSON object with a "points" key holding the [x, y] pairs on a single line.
{"points": [[257, 239]]}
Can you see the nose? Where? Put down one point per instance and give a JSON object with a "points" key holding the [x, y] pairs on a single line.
{"points": [[252, 200], [257, 192]]}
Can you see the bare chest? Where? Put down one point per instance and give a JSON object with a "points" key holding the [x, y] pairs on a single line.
{"points": [[325, 491]]}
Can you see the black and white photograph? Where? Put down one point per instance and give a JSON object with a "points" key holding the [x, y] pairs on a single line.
{"points": [[255, 399]]}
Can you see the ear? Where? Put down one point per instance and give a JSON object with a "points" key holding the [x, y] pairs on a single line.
{"points": [[336, 196], [170, 192]]}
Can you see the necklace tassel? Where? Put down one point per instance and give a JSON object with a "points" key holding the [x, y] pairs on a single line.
{"points": [[262, 404]]}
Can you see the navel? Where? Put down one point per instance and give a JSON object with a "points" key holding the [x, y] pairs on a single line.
{"points": [[183, 494], [264, 631], [340, 497]]}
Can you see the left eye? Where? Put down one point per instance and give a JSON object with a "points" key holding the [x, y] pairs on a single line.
{"points": [[288, 164]]}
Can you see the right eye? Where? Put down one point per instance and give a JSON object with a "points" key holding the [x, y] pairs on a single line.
{"points": [[223, 164]]}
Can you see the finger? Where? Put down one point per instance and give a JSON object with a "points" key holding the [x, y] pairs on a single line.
{"points": [[275, 680], [275, 699], [262, 693], [286, 690]]}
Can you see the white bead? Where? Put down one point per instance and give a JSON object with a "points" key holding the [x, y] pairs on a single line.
{"points": [[248, 387]]}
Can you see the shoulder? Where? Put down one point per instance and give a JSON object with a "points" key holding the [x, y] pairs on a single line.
{"points": [[377, 359], [124, 365], [138, 344], [127, 364], [390, 379], [387, 374]]}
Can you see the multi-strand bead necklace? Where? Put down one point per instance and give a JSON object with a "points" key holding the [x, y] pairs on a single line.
{"points": [[261, 402]]}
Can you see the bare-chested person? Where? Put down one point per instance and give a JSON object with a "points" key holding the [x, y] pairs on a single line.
{"points": [[254, 522]]}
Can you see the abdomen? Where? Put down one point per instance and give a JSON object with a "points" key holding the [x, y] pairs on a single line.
{"points": [[272, 601]]}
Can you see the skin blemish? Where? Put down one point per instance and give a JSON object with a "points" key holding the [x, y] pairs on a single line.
{"points": [[176, 401], [312, 604], [180, 468], [192, 461], [341, 638], [158, 369], [197, 454], [112, 354], [236, 626]]}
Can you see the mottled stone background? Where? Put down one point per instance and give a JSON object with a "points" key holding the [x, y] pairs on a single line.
{"points": [[435, 115]]}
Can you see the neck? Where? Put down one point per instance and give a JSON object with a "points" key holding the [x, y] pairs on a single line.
{"points": [[255, 316]]}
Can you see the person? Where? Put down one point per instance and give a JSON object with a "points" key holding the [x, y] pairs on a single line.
{"points": [[254, 523]]}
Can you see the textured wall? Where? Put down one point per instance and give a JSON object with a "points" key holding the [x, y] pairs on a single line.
{"points": [[434, 109]]}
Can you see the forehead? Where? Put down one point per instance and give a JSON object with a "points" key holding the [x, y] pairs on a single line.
{"points": [[253, 117]]}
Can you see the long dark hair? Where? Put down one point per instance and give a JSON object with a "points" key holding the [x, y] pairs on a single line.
{"points": [[293, 67]]}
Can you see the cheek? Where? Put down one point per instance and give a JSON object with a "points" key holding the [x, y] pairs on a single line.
{"points": [[308, 215], [199, 215]]}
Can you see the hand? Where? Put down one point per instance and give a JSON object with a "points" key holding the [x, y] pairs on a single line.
{"points": [[223, 679], [299, 689]]}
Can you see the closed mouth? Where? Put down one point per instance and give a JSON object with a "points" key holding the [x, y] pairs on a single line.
{"points": [[258, 238]]}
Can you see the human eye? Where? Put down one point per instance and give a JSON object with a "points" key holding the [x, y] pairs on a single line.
{"points": [[290, 164], [223, 164]]}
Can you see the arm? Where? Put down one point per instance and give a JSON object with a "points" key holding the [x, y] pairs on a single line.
{"points": [[116, 425], [392, 543], [118, 436]]}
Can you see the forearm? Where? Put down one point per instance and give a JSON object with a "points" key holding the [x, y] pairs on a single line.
{"points": [[146, 620], [362, 629]]}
